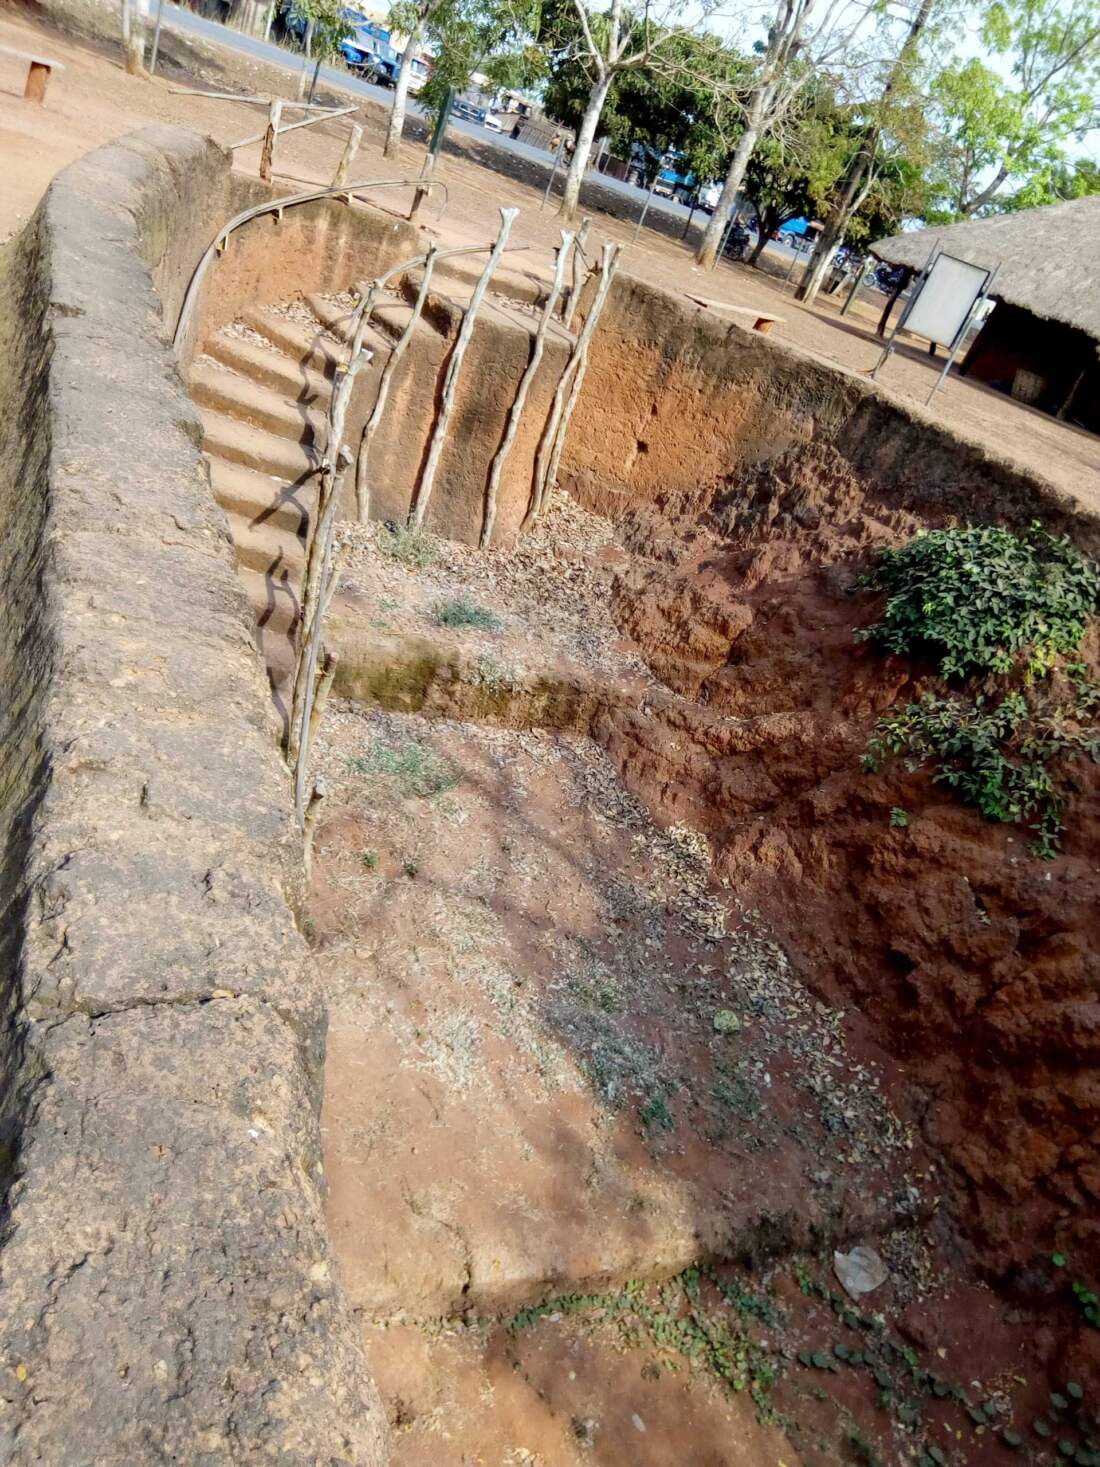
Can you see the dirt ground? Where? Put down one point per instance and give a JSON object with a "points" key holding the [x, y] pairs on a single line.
{"points": [[94, 100], [569, 1075]]}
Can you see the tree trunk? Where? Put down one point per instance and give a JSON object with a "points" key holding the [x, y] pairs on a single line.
{"points": [[586, 136], [761, 241], [707, 253], [401, 96], [125, 25], [848, 199]]}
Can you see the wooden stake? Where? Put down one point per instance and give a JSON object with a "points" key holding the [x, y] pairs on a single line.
{"points": [[362, 467], [454, 367], [574, 295], [610, 261], [309, 825], [351, 147], [421, 189], [549, 450], [500, 458], [267, 155]]}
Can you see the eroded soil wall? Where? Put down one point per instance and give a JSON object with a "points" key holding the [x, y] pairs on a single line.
{"points": [[974, 960], [677, 397], [168, 1291]]}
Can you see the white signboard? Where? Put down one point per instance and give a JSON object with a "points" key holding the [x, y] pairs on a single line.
{"points": [[945, 301]]}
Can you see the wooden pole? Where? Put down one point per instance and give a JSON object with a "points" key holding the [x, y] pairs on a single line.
{"points": [[549, 439], [454, 368], [578, 261], [156, 37], [362, 466], [610, 261], [267, 155], [351, 147], [500, 458]]}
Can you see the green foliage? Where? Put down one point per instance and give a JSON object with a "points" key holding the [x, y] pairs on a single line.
{"points": [[996, 756], [494, 38], [458, 612], [898, 818], [984, 602], [408, 545], [983, 599], [996, 133], [415, 770], [327, 26], [674, 1318]]}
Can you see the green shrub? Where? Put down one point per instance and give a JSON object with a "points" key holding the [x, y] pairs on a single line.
{"points": [[982, 599], [996, 756], [407, 544], [460, 613], [1007, 610]]}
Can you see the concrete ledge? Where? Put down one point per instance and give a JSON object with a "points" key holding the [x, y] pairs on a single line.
{"points": [[167, 1293]]}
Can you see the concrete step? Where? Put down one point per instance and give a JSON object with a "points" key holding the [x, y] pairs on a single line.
{"points": [[255, 448], [272, 549], [255, 404], [261, 499], [337, 320], [305, 344], [271, 368], [274, 598]]}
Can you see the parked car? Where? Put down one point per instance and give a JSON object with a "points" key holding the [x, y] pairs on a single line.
{"points": [[467, 111], [493, 123], [709, 195]]}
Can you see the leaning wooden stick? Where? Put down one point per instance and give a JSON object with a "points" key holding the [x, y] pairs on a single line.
{"points": [[545, 456], [351, 147], [318, 572], [500, 458], [574, 293], [610, 261], [454, 367], [362, 467]]}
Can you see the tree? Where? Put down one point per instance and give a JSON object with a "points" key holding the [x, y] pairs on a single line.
{"points": [[995, 134], [325, 29], [1054, 184], [859, 174], [805, 39], [409, 17], [591, 51]]}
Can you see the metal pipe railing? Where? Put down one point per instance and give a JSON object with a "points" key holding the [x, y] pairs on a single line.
{"points": [[273, 206]]}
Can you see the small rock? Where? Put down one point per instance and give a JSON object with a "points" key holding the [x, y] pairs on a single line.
{"points": [[639, 1424], [860, 1271]]}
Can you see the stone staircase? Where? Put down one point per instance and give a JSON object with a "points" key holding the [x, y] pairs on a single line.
{"points": [[263, 386]]}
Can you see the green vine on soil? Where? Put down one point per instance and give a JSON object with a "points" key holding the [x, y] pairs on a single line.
{"points": [[1002, 614]]}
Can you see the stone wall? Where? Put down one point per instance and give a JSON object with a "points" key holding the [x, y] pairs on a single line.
{"points": [[167, 1288]]}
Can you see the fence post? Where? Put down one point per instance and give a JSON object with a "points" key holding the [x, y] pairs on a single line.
{"points": [[267, 156]]}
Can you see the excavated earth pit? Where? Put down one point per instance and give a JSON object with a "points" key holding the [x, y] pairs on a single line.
{"points": [[639, 1005], [571, 1063]]}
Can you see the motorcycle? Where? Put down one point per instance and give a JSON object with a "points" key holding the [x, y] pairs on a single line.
{"points": [[738, 241]]}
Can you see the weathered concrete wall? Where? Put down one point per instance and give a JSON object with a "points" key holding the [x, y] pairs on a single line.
{"points": [[676, 397], [167, 1291]]}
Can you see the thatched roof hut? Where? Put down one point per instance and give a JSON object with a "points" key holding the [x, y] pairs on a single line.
{"points": [[1049, 258]]}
